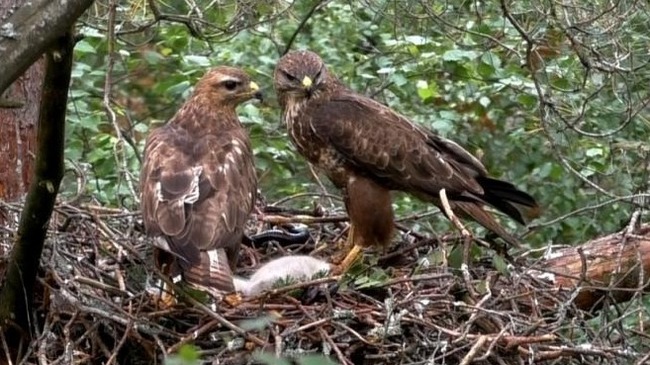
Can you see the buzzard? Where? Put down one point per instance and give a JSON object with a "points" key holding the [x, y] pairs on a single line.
{"points": [[367, 149], [198, 183]]}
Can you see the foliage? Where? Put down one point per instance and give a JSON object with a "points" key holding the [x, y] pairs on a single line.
{"points": [[549, 96], [268, 359], [189, 355]]}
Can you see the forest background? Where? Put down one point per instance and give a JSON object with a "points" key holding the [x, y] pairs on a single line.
{"points": [[552, 96]]}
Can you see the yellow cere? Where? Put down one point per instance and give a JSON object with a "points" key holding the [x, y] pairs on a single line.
{"points": [[306, 82], [254, 86]]}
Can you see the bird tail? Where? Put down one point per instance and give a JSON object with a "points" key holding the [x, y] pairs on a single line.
{"points": [[476, 212], [505, 197], [212, 273]]}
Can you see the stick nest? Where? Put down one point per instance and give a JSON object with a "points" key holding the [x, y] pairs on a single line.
{"points": [[95, 305]]}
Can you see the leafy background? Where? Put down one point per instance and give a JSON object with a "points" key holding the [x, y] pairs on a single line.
{"points": [[558, 106], [553, 97]]}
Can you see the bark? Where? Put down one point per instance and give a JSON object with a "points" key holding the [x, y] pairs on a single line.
{"points": [[16, 295], [18, 117], [613, 267], [18, 126], [30, 28]]}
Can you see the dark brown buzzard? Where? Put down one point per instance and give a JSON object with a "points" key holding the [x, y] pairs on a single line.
{"points": [[367, 149], [198, 183]]}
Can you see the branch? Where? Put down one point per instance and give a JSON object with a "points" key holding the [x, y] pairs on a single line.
{"points": [[16, 296], [302, 24], [615, 266], [26, 34]]}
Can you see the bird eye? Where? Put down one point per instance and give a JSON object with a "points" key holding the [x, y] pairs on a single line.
{"points": [[230, 84], [318, 74], [289, 76]]}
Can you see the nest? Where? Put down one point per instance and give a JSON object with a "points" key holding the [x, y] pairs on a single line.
{"points": [[94, 304]]}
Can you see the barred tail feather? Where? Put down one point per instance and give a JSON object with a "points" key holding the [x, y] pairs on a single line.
{"points": [[212, 274]]}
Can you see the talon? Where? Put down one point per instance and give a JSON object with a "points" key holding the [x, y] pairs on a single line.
{"points": [[349, 260], [233, 299], [165, 300]]}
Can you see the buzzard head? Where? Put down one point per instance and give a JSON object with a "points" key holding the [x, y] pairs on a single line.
{"points": [[227, 86], [300, 75]]}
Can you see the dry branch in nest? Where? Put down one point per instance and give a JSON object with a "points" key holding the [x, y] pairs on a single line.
{"points": [[94, 303]]}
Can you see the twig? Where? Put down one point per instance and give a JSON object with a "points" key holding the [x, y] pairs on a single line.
{"points": [[333, 345], [467, 237], [288, 288], [474, 350], [194, 335], [119, 146], [302, 24], [123, 340], [223, 321], [304, 219]]}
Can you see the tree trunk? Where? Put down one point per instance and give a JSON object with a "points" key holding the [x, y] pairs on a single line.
{"points": [[613, 267], [29, 28], [18, 118], [16, 295], [18, 126]]}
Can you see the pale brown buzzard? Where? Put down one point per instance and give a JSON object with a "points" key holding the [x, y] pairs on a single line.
{"points": [[198, 183]]}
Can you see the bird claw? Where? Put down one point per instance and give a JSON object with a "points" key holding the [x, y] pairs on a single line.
{"points": [[164, 301], [233, 299]]}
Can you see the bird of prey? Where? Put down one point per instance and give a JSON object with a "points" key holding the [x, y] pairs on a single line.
{"points": [[367, 149], [198, 183]]}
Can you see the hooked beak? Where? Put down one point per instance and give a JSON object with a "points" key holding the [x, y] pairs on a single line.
{"points": [[255, 91]]}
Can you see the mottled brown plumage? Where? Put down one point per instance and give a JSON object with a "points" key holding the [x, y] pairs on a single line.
{"points": [[367, 149], [198, 182]]}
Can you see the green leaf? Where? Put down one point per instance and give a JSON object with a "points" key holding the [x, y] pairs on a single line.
{"points": [[187, 355], [315, 360], [423, 90], [491, 59], [527, 100], [416, 39], [197, 60], [269, 359], [179, 88], [594, 151], [485, 70], [84, 47], [153, 58], [459, 55]]}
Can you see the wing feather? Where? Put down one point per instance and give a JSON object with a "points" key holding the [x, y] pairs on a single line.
{"points": [[387, 147], [198, 193]]}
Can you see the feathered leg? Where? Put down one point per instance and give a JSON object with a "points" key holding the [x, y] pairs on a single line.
{"points": [[371, 218]]}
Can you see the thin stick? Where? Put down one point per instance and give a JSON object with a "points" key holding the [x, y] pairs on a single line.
{"points": [[467, 237]]}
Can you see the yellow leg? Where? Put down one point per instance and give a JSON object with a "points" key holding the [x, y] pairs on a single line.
{"points": [[166, 299], [352, 256], [343, 246], [233, 299]]}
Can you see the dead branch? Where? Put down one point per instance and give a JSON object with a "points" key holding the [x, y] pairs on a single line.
{"points": [[16, 296], [30, 30], [607, 267]]}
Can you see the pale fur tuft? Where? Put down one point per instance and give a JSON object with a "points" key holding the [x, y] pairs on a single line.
{"points": [[295, 268]]}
